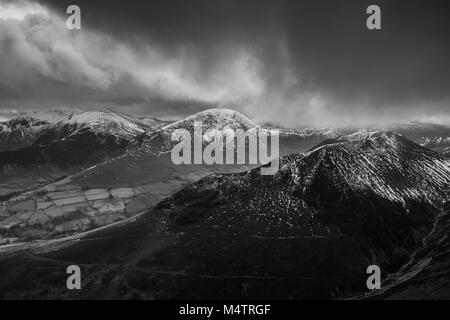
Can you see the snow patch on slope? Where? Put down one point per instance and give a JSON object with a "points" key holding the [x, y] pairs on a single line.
{"points": [[104, 122]]}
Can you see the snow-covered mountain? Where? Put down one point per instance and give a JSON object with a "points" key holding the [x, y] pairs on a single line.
{"points": [[291, 141], [160, 141], [214, 119], [101, 122], [25, 130], [383, 163], [20, 132], [21, 129], [220, 119], [76, 134], [431, 136], [435, 143]]}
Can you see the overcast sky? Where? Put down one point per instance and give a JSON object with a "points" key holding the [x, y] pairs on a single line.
{"points": [[293, 62]]}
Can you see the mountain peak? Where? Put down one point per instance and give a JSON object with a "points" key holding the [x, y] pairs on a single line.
{"points": [[385, 164], [215, 119]]}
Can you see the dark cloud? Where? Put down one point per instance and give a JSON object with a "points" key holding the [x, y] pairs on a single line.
{"points": [[406, 59], [292, 61]]}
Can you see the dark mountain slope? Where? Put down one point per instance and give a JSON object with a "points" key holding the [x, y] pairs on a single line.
{"points": [[426, 275]]}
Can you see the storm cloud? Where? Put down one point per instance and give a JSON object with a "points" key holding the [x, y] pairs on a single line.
{"points": [[291, 62]]}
